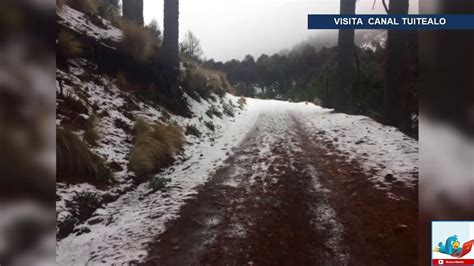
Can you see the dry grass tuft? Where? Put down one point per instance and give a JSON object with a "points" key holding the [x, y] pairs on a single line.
{"points": [[217, 82], [317, 101], [155, 146], [68, 45], [75, 160], [242, 102], [60, 4], [138, 41], [203, 81], [90, 134]]}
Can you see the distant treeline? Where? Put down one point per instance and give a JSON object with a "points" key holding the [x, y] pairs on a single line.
{"points": [[309, 74]]}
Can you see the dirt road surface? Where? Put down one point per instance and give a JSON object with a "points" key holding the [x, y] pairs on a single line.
{"points": [[288, 197]]}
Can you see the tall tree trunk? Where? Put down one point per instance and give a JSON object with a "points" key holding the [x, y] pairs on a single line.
{"points": [[170, 56], [397, 65], [133, 11], [345, 60], [171, 33]]}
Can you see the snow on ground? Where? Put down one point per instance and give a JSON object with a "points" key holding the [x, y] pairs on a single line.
{"points": [[81, 23], [126, 224], [380, 149], [120, 231]]}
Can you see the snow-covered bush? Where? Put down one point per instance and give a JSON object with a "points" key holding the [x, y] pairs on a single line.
{"points": [[228, 109], [193, 130], [210, 125], [212, 111], [159, 183]]}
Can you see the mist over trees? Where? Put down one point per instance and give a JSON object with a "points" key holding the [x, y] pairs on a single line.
{"points": [[308, 72]]}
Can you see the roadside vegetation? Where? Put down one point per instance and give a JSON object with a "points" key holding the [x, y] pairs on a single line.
{"points": [[75, 161], [155, 146]]}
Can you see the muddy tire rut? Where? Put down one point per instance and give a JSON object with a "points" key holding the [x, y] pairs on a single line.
{"points": [[283, 198]]}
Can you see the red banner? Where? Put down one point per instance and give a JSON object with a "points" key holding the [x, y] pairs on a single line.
{"points": [[453, 261]]}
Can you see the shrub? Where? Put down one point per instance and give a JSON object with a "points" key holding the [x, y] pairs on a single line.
{"points": [[317, 101], [85, 203], [212, 111], [210, 125], [155, 146], [68, 45], [242, 102], [122, 82], [85, 6], [159, 183], [119, 123], [141, 126], [194, 81], [75, 160], [217, 82], [90, 134], [60, 4], [228, 109], [192, 130], [109, 10], [74, 104], [204, 81], [137, 41]]}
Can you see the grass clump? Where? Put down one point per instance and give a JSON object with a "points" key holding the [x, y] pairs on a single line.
{"points": [[73, 103], [210, 125], [68, 45], [159, 183], [212, 111], [204, 81], [137, 41], [60, 4], [194, 81], [218, 82], [85, 203], [228, 109], [192, 130], [75, 160], [155, 146], [317, 101], [242, 102], [90, 133]]}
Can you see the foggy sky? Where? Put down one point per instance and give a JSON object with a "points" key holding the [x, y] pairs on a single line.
{"points": [[234, 28]]}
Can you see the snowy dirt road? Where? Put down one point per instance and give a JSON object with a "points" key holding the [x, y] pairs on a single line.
{"points": [[278, 184], [289, 196]]}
